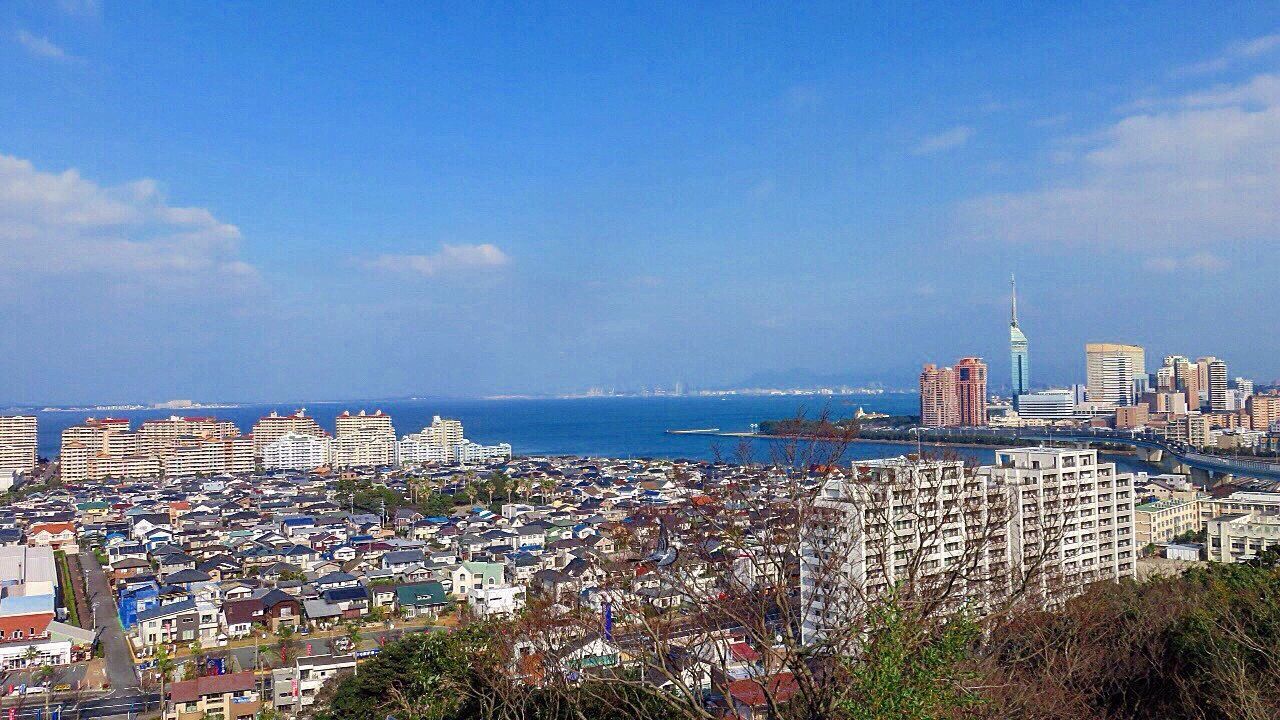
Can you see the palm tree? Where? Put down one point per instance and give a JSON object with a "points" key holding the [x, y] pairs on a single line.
{"points": [[286, 641], [164, 666]]}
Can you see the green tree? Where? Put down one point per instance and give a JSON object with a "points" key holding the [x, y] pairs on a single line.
{"points": [[164, 669], [285, 634], [353, 635], [911, 669]]}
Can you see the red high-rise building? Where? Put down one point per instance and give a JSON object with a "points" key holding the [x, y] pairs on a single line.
{"points": [[971, 391], [939, 406]]}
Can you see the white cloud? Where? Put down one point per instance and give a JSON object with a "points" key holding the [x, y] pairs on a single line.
{"points": [[1234, 54], [61, 223], [41, 47], [81, 8], [949, 140], [1203, 170], [1201, 262], [448, 259]]}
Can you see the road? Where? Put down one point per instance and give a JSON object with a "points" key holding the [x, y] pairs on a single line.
{"points": [[108, 706], [120, 671], [369, 638]]}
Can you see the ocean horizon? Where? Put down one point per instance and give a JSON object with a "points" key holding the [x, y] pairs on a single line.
{"points": [[606, 427]]}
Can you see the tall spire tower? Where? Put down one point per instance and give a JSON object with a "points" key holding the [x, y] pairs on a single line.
{"points": [[1019, 356]]}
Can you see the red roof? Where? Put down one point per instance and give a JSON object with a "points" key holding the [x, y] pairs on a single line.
{"points": [[192, 690], [53, 528], [752, 693], [743, 651]]}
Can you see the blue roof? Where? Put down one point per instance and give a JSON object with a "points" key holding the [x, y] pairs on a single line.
{"points": [[345, 593], [23, 604], [163, 610]]}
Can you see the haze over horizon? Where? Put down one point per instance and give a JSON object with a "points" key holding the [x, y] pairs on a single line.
{"points": [[206, 202]]}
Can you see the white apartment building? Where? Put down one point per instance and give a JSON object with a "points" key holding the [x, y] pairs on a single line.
{"points": [[272, 427], [94, 438], [443, 442], [132, 466], [160, 435], [1078, 510], [297, 451], [296, 688], [364, 440], [469, 452], [1054, 517], [363, 449], [413, 450], [208, 456], [896, 520], [1240, 537], [17, 443], [376, 422], [442, 431]]}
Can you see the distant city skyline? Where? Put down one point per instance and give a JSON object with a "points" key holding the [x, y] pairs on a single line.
{"points": [[463, 203]]}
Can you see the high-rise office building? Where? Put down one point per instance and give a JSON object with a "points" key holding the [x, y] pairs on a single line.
{"points": [[1111, 370], [971, 391], [1219, 398], [939, 403], [1047, 405], [1019, 354]]}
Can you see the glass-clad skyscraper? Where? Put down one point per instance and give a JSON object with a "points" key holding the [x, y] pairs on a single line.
{"points": [[1019, 355]]}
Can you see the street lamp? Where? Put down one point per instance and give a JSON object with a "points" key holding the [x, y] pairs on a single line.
{"points": [[919, 448]]}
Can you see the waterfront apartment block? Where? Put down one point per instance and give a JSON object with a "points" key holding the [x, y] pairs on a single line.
{"points": [[971, 391], [939, 403], [99, 449], [159, 436], [364, 440], [297, 451], [1264, 411], [17, 443], [272, 427], [444, 442]]}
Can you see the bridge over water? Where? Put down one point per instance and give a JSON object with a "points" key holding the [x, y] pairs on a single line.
{"points": [[1161, 452]]}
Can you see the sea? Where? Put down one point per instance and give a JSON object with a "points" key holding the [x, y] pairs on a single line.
{"points": [[612, 427]]}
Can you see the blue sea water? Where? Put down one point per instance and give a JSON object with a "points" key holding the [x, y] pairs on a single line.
{"points": [[619, 427]]}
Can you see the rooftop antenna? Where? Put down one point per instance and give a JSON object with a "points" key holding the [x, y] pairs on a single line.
{"points": [[1013, 310]]}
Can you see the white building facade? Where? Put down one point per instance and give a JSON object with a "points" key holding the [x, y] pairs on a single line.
{"points": [[295, 451]]}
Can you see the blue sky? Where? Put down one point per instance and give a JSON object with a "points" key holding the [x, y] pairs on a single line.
{"points": [[269, 201]]}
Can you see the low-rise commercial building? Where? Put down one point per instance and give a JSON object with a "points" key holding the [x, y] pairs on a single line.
{"points": [[1163, 520], [1240, 537], [226, 697]]}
